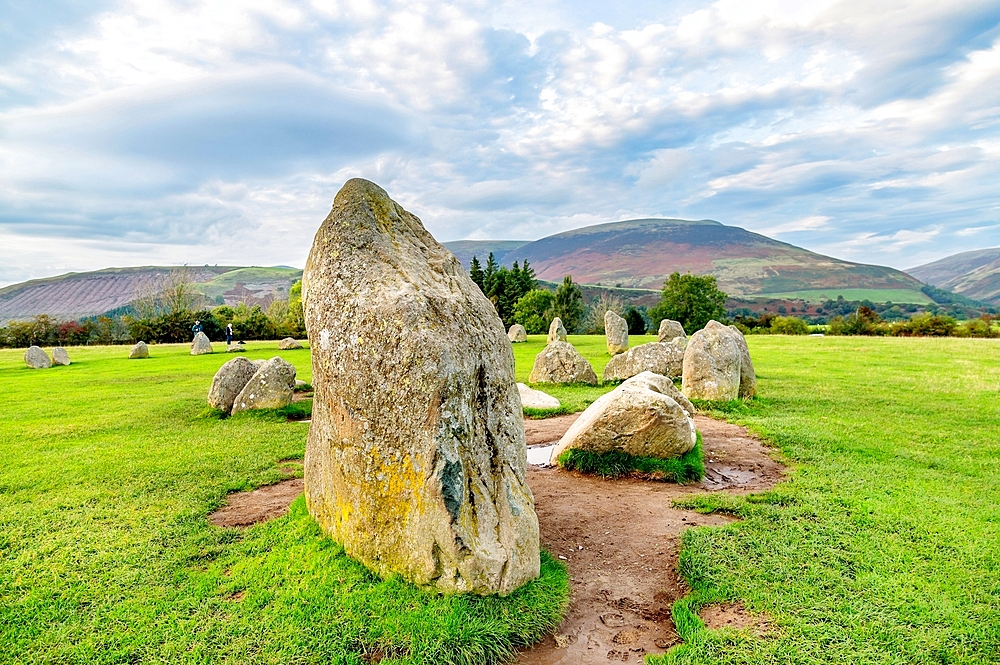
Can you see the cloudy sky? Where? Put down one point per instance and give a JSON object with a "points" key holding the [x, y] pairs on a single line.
{"points": [[157, 132]]}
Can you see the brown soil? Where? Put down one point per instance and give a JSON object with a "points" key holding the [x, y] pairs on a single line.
{"points": [[620, 539], [733, 615], [243, 509], [547, 430]]}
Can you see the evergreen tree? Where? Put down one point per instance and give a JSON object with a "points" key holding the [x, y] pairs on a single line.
{"points": [[489, 275], [476, 273], [568, 304], [636, 324], [527, 278]]}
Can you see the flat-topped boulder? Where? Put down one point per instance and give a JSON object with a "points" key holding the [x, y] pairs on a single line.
{"points": [[560, 362], [416, 457], [236, 347], [615, 333], [272, 386], [201, 345], [536, 399], [669, 329], [666, 358], [36, 358], [634, 418], [229, 382], [517, 334], [60, 356], [138, 351], [557, 331], [712, 364], [288, 343]]}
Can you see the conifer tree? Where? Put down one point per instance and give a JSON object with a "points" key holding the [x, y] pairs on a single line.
{"points": [[476, 273]]}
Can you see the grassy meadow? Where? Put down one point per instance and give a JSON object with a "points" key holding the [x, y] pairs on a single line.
{"points": [[882, 547]]}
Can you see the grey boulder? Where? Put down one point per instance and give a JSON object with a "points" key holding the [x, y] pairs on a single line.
{"points": [[60, 356], [536, 399], [557, 331], [666, 358], [139, 351], [36, 358], [229, 381], [712, 364], [201, 345], [288, 343], [517, 333], [615, 333], [236, 347], [669, 329], [560, 362], [271, 386]]}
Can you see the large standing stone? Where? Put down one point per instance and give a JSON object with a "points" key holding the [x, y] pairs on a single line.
{"points": [[60, 356], [139, 351], [557, 331], [271, 386], [288, 343], [201, 345], [615, 333], [748, 377], [229, 381], [663, 384], [36, 358], [560, 362], [712, 365], [635, 418], [666, 358], [416, 457], [536, 399], [669, 329], [517, 333]]}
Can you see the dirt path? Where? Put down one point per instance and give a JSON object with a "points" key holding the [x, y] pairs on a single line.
{"points": [[620, 540]]}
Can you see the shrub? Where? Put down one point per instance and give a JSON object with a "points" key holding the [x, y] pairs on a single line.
{"points": [[691, 299], [789, 325]]}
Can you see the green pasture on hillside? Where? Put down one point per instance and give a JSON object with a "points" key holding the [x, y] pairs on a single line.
{"points": [[883, 546], [912, 296]]}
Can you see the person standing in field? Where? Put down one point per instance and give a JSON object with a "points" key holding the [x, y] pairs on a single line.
{"points": [[229, 333], [196, 328]]}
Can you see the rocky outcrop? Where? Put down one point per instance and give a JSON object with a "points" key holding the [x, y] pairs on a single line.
{"points": [[560, 362], [416, 456], [634, 418], [36, 358], [666, 358], [138, 351], [271, 386], [557, 331], [288, 344], [669, 329], [615, 333], [229, 382], [60, 356], [712, 364], [517, 334], [536, 399], [201, 345]]}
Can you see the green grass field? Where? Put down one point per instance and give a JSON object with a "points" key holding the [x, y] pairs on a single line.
{"points": [[882, 547], [110, 467]]}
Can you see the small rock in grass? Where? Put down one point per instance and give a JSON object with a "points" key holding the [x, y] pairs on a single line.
{"points": [[139, 351], [36, 358], [270, 387], [60, 356], [236, 347], [557, 331], [560, 362], [288, 343], [536, 399], [517, 334], [229, 381], [201, 345]]}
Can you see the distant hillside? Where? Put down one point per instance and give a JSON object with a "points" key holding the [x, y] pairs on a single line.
{"points": [[464, 250], [642, 253], [76, 295], [974, 274]]}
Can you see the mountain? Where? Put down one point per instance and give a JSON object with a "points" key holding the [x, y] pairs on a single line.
{"points": [[642, 253], [76, 295], [466, 249], [974, 274]]}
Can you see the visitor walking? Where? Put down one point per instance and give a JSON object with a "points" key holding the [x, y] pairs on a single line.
{"points": [[196, 328], [229, 333]]}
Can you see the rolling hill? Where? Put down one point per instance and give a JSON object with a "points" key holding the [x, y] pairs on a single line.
{"points": [[641, 253], [76, 295], [974, 274]]}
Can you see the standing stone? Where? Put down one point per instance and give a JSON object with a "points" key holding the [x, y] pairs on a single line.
{"points": [[557, 331], [665, 358], [560, 362], [139, 351], [272, 386], [200, 345], [288, 343], [35, 358], [615, 333], [229, 381], [60, 356], [536, 399], [634, 418], [748, 377], [669, 329], [517, 333], [416, 456], [712, 365], [236, 347]]}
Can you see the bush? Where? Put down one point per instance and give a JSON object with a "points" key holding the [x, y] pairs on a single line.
{"points": [[789, 325], [691, 299]]}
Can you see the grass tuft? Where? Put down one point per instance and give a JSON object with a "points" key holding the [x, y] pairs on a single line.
{"points": [[687, 468]]}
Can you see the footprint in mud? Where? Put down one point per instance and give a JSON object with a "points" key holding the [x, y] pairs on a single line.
{"points": [[629, 635], [613, 620]]}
